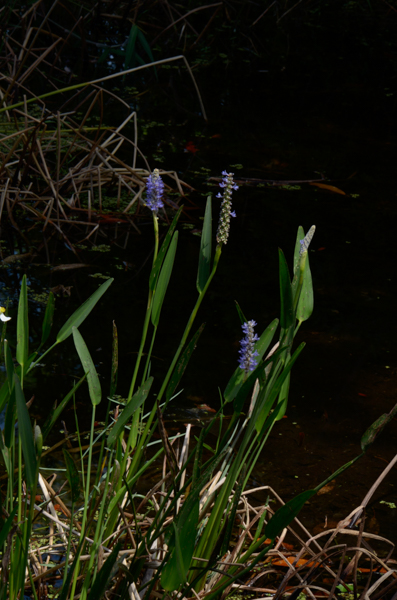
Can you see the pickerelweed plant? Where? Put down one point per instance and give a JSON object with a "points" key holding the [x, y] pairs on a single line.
{"points": [[176, 539]]}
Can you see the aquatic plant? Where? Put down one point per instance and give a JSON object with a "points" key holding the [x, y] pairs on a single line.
{"points": [[178, 537]]}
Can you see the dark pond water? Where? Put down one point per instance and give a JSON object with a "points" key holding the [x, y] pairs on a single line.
{"points": [[346, 376]]}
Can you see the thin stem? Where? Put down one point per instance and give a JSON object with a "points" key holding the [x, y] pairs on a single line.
{"points": [[191, 321]]}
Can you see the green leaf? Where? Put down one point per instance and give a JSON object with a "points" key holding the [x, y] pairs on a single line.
{"points": [[163, 281], [204, 267], [146, 47], [306, 299], [4, 395], [182, 545], [136, 401], [9, 364], [48, 318], [240, 313], [283, 397], [94, 386], [287, 308], [73, 476], [23, 326], [130, 49], [102, 579], [182, 364], [56, 413], [9, 421], [277, 388], [82, 312], [297, 250], [261, 346], [283, 517], [375, 429], [6, 527], [115, 362], [162, 252], [287, 513], [25, 431]]}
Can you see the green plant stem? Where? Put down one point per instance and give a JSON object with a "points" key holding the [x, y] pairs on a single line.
{"points": [[189, 325], [87, 494], [148, 313]]}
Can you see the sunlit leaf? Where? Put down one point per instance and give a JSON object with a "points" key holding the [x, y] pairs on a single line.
{"points": [[181, 545], [204, 267], [94, 385], [82, 312], [23, 326], [162, 252], [136, 401], [163, 281]]}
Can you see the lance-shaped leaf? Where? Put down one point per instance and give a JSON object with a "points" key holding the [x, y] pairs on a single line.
{"points": [[162, 252], [163, 281], [102, 578], [283, 517], [136, 401], [5, 527], [73, 476], [287, 308], [115, 362], [23, 326], [25, 431], [9, 366], [9, 421], [181, 545], [82, 312], [204, 267], [375, 429], [48, 318], [306, 299], [94, 386]]}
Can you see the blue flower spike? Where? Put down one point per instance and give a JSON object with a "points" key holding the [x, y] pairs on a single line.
{"points": [[247, 351], [154, 191], [305, 243], [228, 186], [2, 315]]}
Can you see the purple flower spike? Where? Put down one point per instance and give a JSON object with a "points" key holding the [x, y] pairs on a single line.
{"points": [[247, 351], [154, 191], [227, 184]]}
